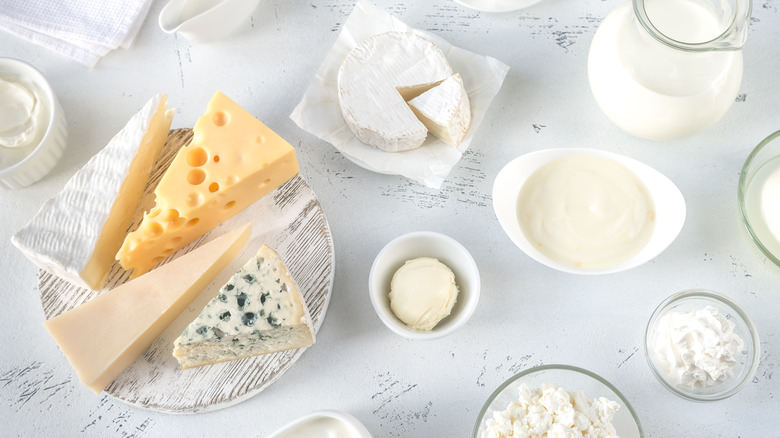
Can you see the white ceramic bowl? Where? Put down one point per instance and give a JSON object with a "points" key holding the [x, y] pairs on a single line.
{"points": [[425, 244], [571, 379], [45, 156], [497, 5], [324, 424], [747, 363], [667, 199]]}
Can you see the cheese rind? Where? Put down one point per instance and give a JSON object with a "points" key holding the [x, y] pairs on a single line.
{"points": [[232, 161], [76, 234], [368, 88], [104, 336], [445, 110], [259, 310]]}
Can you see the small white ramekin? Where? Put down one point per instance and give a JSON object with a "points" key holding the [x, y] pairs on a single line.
{"points": [[45, 156], [425, 244]]}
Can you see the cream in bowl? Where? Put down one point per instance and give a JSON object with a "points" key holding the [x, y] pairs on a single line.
{"points": [[587, 211], [424, 285], [702, 345], [324, 424], [32, 125]]}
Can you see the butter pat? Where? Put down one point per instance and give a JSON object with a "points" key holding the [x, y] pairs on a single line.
{"points": [[423, 292]]}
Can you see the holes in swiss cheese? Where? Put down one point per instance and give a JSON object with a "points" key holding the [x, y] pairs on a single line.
{"points": [[153, 229], [197, 157], [220, 118], [194, 199], [196, 176], [214, 187]]}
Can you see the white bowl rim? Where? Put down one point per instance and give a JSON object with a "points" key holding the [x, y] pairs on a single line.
{"points": [[40, 80], [668, 201], [556, 366], [516, 6], [345, 418], [731, 305], [464, 314]]}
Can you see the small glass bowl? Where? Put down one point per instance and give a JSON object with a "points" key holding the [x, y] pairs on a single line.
{"points": [[747, 363], [571, 379], [762, 160]]}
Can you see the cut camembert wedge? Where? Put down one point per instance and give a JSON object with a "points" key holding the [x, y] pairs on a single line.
{"points": [[260, 310], [368, 88], [76, 234], [232, 161], [445, 110], [104, 336]]}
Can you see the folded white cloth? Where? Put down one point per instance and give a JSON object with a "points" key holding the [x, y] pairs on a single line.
{"points": [[84, 30]]}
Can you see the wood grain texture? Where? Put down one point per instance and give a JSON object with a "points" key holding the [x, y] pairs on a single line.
{"points": [[290, 220]]}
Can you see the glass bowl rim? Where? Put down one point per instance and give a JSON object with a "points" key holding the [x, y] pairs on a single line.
{"points": [[741, 198], [731, 305], [562, 367]]}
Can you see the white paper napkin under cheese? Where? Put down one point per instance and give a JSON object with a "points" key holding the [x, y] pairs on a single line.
{"points": [[319, 112], [83, 30]]}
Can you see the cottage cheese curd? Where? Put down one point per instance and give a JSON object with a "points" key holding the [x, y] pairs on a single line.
{"points": [[23, 115], [552, 412], [697, 349]]}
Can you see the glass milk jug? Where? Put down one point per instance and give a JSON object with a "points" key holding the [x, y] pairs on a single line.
{"points": [[667, 69]]}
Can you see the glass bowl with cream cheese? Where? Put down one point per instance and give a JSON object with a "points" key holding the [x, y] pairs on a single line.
{"points": [[548, 399], [587, 211], [758, 195], [701, 345], [33, 130], [424, 285]]}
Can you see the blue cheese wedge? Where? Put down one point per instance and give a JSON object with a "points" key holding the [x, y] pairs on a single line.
{"points": [[259, 310]]}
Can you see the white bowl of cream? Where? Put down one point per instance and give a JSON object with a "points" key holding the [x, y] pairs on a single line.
{"points": [[33, 131], [324, 424], [446, 273], [587, 211]]}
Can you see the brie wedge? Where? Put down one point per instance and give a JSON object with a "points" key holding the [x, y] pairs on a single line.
{"points": [[368, 88], [76, 234], [445, 110]]}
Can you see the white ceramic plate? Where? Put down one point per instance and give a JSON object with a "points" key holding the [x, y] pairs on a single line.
{"points": [[290, 220], [497, 5], [669, 205]]}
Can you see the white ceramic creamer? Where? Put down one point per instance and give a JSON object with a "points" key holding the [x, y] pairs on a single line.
{"points": [[667, 69]]}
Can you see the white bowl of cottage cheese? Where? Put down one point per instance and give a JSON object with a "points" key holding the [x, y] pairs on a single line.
{"points": [[557, 400], [702, 345]]}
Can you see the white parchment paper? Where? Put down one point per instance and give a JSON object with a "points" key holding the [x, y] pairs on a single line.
{"points": [[319, 113]]}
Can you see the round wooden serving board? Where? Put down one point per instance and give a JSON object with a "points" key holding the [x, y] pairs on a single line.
{"points": [[289, 220]]}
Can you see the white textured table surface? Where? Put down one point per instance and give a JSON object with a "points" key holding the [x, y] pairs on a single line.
{"points": [[528, 314]]}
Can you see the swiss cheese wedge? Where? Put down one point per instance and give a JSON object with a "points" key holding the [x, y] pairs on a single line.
{"points": [[104, 336], [232, 161]]}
